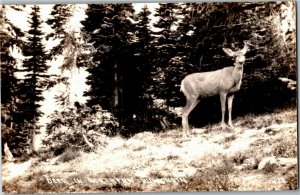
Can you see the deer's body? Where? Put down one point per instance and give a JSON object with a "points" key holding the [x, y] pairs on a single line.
{"points": [[207, 84], [224, 82]]}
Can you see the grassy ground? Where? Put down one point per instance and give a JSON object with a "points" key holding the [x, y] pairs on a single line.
{"points": [[259, 154]]}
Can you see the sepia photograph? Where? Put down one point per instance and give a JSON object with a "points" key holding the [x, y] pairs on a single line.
{"points": [[149, 97]]}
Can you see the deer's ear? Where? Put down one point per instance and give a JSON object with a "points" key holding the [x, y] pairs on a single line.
{"points": [[228, 51], [244, 50]]}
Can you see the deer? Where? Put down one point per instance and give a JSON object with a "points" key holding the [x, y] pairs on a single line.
{"points": [[224, 82]]}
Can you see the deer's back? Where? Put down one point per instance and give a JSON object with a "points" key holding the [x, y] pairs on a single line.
{"points": [[205, 84]]}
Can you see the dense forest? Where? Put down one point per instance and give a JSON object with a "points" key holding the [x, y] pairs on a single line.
{"points": [[135, 67]]}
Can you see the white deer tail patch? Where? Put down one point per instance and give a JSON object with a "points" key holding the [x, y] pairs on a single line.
{"points": [[183, 90], [181, 87]]}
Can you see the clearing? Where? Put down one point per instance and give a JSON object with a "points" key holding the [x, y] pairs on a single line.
{"points": [[259, 154]]}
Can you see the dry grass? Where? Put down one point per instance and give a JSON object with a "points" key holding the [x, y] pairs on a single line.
{"points": [[292, 181], [13, 187], [285, 148], [265, 120], [230, 138], [291, 177], [216, 178], [209, 160], [239, 157], [139, 148]]}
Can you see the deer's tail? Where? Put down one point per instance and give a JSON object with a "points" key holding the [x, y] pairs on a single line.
{"points": [[182, 87], [184, 90]]}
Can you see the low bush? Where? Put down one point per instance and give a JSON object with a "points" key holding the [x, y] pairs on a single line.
{"points": [[68, 155], [80, 127]]}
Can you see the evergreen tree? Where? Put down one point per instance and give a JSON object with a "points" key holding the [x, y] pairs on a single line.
{"points": [[69, 43], [99, 75], [10, 38], [140, 83], [31, 87], [166, 47], [35, 67], [58, 20], [110, 27]]}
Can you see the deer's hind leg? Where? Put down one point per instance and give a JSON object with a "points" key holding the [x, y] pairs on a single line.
{"points": [[190, 105]]}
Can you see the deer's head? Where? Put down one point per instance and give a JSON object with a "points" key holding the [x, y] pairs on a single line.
{"points": [[240, 54]]}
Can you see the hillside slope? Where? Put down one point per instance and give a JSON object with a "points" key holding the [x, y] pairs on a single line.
{"points": [[259, 154]]}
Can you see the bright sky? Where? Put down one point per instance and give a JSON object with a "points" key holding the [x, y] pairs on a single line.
{"points": [[20, 18]]}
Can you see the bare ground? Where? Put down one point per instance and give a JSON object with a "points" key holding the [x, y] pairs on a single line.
{"points": [[259, 154]]}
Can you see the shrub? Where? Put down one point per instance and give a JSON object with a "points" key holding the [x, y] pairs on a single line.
{"points": [[68, 155], [81, 127]]}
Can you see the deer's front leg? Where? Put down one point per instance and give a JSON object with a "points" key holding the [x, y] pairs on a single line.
{"points": [[223, 109], [230, 100]]}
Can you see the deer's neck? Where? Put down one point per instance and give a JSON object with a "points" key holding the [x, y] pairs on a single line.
{"points": [[238, 71]]}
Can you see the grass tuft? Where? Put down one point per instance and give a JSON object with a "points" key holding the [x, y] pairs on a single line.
{"points": [[68, 155], [285, 148]]}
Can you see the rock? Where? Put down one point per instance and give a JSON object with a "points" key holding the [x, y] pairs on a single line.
{"points": [[285, 162], [266, 161]]}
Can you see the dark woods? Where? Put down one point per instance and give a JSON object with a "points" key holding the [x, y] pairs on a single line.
{"points": [[135, 69]]}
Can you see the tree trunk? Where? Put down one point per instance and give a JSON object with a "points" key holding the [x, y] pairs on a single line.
{"points": [[34, 143]]}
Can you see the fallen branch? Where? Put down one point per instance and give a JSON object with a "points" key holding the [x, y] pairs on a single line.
{"points": [[87, 141]]}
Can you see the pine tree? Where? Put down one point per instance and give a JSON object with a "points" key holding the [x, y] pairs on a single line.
{"points": [[101, 71], [31, 87], [110, 28], [70, 44], [35, 67], [141, 84], [58, 20], [10, 38], [166, 50]]}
